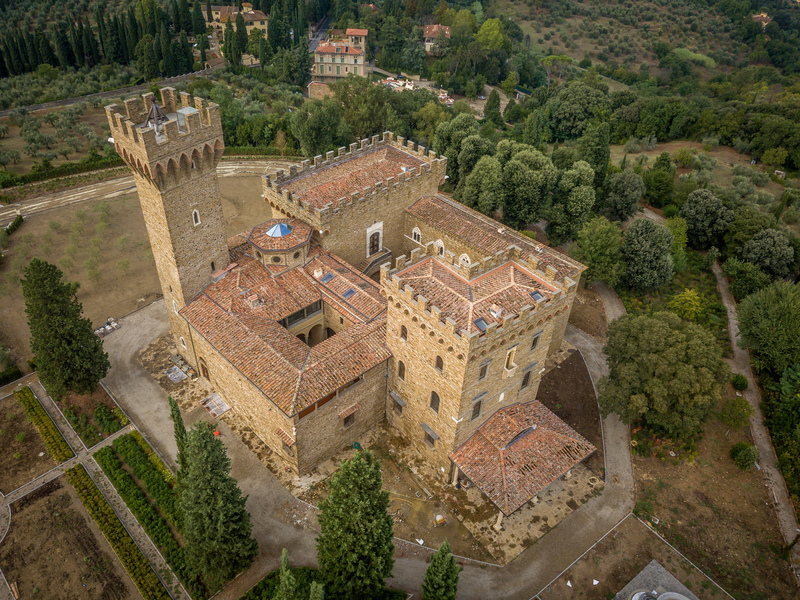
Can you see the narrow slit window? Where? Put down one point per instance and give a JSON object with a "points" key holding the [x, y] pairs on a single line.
{"points": [[196, 217]]}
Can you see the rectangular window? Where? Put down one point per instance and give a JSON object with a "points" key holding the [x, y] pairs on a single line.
{"points": [[476, 410], [483, 371], [430, 435], [526, 380], [288, 449], [337, 70], [314, 308], [429, 439], [535, 341], [295, 317], [349, 420], [398, 409], [510, 359]]}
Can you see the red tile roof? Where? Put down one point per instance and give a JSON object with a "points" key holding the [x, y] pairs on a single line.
{"points": [[350, 410], [487, 235], [518, 452], [300, 234], [339, 49], [508, 286], [287, 439], [431, 31], [362, 32], [238, 315], [330, 185]]}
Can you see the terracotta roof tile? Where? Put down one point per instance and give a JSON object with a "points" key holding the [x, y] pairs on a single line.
{"points": [[349, 410], [357, 32], [329, 185], [239, 315], [287, 439], [508, 286], [518, 452], [487, 235], [342, 49], [300, 233]]}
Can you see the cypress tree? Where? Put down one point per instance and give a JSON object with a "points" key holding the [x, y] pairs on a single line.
{"points": [[46, 54], [132, 35], [287, 586], [185, 15], [241, 34], [209, 13], [69, 356], [180, 434], [441, 576], [64, 53], [3, 66], [31, 52], [175, 15], [317, 591], [14, 63], [354, 547], [76, 42], [216, 524], [198, 25]]}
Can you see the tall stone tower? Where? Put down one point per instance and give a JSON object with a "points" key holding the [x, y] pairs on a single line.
{"points": [[173, 150]]}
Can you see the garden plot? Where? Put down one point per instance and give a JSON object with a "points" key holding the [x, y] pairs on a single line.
{"points": [[24, 456], [54, 550], [93, 416]]}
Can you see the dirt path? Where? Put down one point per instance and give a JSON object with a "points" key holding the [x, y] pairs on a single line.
{"points": [[104, 190], [740, 363], [84, 457]]}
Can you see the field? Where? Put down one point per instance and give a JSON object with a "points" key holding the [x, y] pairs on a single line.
{"points": [[720, 517], [54, 550], [620, 30], [24, 455]]}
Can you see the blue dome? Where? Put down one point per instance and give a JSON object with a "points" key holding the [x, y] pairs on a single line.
{"points": [[279, 230]]}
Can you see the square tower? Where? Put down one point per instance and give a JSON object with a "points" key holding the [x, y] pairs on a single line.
{"points": [[173, 150]]}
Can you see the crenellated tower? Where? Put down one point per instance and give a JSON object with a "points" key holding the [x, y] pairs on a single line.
{"points": [[173, 150]]}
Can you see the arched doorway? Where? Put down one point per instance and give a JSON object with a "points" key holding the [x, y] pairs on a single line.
{"points": [[329, 333], [315, 336], [302, 337], [375, 243]]}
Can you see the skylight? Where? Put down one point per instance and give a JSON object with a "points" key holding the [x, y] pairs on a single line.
{"points": [[480, 324], [327, 277], [348, 294], [279, 230], [537, 297]]}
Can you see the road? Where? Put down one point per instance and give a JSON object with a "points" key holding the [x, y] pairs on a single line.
{"points": [[105, 190], [322, 34]]}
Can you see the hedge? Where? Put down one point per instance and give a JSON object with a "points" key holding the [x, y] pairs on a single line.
{"points": [[260, 151], [10, 374], [169, 477], [73, 168], [56, 444], [128, 552], [14, 225]]}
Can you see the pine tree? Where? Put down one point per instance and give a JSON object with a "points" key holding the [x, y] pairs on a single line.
{"points": [[354, 547], [69, 356], [441, 576], [216, 524], [287, 586], [317, 591]]}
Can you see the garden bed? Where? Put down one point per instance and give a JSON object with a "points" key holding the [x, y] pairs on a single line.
{"points": [[24, 455], [54, 550], [56, 445], [93, 416]]}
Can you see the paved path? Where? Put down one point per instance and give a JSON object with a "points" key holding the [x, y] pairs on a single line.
{"points": [[84, 456], [104, 190], [740, 363]]}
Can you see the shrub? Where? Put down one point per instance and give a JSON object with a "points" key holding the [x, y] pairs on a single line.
{"points": [[10, 374], [57, 446], [739, 382], [670, 210], [744, 455], [736, 412]]}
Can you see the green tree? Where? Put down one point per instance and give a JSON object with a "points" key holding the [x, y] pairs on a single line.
{"points": [[449, 136], [593, 147], [646, 250], [574, 199], [529, 179], [769, 324], [747, 222], [677, 227], [354, 547], [509, 84], [287, 586], [216, 524], [599, 247], [491, 111], [198, 24], [687, 305], [146, 60], [659, 186], [771, 252], [706, 219], [483, 187], [537, 128], [623, 192], [317, 591], [574, 106], [775, 157], [69, 356], [426, 120], [663, 372], [179, 429], [441, 576], [746, 278], [319, 127]]}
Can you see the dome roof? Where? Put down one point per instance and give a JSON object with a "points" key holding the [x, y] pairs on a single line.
{"points": [[279, 230]]}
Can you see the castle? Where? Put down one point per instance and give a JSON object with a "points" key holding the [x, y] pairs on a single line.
{"points": [[368, 296]]}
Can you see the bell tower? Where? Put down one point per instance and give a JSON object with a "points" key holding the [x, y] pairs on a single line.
{"points": [[172, 150]]}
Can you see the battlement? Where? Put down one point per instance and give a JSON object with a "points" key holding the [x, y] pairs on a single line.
{"points": [[189, 126], [432, 163], [557, 289]]}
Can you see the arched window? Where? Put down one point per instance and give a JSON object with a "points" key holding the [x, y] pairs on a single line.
{"points": [[440, 247], [435, 401], [196, 217], [416, 235], [401, 370], [439, 364], [183, 343], [174, 306], [403, 332], [464, 259], [374, 243]]}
